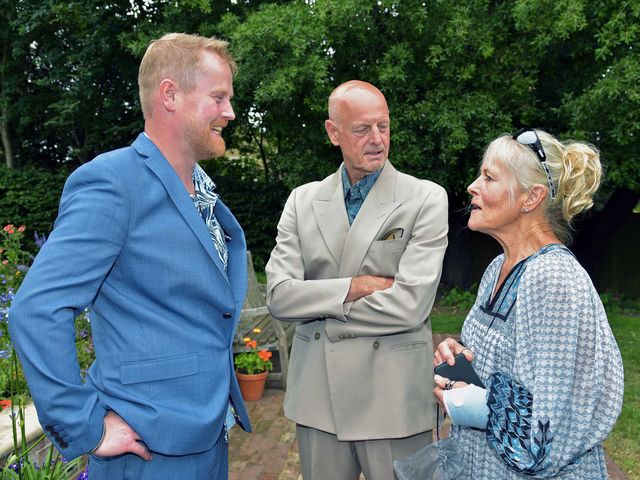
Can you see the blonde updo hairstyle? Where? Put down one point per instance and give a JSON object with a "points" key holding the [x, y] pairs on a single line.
{"points": [[575, 169]]}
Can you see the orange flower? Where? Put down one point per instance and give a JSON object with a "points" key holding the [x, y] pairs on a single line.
{"points": [[12, 231], [21, 228], [252, 344], [5, 404], [264, 355], [8, 227]]}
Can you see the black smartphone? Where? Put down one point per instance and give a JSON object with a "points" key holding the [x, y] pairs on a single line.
{"points": [[461, 371]]}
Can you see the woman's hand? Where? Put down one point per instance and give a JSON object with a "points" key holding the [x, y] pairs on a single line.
{"points": [[441, 385], [447, 350]]}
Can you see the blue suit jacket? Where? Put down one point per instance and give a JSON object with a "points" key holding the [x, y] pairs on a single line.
{"points": [[129, 244]]}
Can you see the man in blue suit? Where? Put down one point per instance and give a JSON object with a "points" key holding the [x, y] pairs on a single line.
{"points": [[144, 242]]}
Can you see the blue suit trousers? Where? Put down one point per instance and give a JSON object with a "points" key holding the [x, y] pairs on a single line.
{"points": [[209, 465]]}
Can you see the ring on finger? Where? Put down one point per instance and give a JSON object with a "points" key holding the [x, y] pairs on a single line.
{"points": [[449, 385]]}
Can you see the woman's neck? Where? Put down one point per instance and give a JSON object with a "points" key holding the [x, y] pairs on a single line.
{"points": [[520, 244]]}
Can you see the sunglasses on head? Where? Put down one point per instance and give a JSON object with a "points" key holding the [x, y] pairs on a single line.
{"points": [[529, 137]]}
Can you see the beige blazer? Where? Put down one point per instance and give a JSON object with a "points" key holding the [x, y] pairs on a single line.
{"points": [[361, 370]]}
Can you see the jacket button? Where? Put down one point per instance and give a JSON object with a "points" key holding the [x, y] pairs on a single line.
{"points": [[317, 336], [227, 315], [376, 344], [63, 444]]}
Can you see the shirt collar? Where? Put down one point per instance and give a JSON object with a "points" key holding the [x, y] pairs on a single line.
{"points": [[362, 187], [204, 186]]}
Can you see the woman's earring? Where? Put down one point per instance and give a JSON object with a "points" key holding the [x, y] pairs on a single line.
{"points": [[525, 210]]}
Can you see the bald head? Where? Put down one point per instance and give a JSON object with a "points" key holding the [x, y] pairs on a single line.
{"points": [[359, 124], [347, 93]]}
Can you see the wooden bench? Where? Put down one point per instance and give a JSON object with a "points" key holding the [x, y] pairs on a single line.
{"points": [[274, 335]]}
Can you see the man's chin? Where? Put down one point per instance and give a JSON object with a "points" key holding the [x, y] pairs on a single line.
{"points": [[218, 149], [376, 164]]}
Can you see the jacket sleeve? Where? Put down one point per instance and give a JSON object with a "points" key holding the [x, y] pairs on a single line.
{"points": [[406, 305], [403, 307], [291, 297], [63, 280]]}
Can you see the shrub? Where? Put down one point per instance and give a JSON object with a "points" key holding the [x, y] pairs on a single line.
{"points": [[459, 299]]}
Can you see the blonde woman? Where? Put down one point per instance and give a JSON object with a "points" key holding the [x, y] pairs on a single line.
{"points": [[537, 335]]}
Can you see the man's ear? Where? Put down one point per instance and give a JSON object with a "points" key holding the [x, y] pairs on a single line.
{"points": [[537, 194], [168, 94], [332, 130]]}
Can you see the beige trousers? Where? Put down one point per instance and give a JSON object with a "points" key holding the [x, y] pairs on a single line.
{"points": [[324, 457]]}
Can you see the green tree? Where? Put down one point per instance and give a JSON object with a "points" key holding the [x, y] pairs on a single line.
{"points": [[456, 75]]}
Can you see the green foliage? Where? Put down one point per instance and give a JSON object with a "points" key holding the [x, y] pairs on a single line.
{"points": [[78, 82], [616, 303], [30, 197], [256, 203], [456, 75], [459, 299]]}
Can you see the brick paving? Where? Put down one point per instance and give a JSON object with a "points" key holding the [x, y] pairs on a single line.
{"points": [[271, 451]]}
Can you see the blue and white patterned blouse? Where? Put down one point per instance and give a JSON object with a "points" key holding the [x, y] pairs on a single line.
{"points": [[553, 371]]}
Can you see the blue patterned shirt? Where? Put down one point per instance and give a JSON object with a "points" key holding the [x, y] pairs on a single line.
{"points": [[354, 195], [205, 201]]}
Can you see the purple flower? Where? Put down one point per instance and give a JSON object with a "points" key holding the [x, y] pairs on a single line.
{"points": [[40, 240], [84, 475]]}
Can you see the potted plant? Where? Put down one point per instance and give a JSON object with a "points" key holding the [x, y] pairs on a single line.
{"points": [[252, 367]]}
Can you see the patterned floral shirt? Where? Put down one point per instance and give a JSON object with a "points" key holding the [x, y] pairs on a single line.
{"points": [[355, 195], [205, 201], [553, 371]]}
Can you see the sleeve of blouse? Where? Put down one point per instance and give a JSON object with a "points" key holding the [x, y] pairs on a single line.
{"points": [[566, 392]]}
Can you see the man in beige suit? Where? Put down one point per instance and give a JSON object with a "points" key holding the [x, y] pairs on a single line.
{"points": [[357, 261]]}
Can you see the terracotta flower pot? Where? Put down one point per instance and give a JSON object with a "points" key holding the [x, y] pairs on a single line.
{"points": [[252, 386]]}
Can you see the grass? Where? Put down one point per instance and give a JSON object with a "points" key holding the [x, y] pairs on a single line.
{"points": [[623, 444], [447, 319]]}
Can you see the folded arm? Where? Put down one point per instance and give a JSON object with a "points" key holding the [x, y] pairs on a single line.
{"points": [[406, 304]]}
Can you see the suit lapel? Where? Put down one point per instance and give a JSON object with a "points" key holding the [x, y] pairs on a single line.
{"points": [[331, 217], [377, 207], [237, 265], [178, 194]]}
